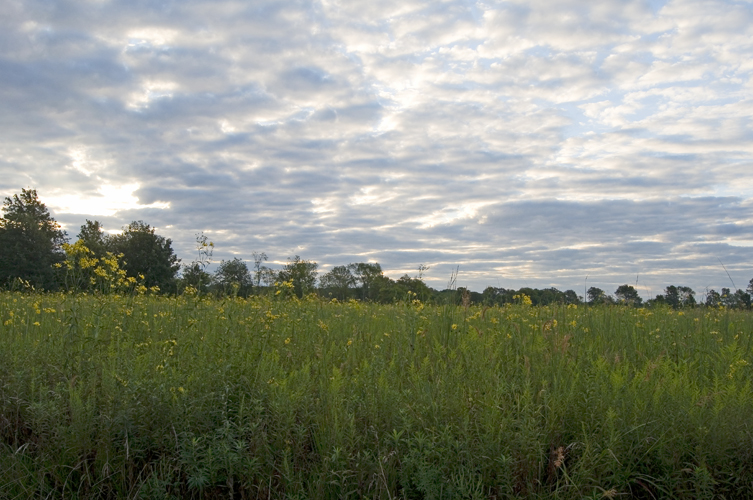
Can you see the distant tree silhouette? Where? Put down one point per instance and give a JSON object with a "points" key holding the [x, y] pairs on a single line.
{"points": [[597, 296], [627, 294], [713, 299], [233, 278], [302, 273], [193, 275], [259, 268], [94, 238], [737, 300], [679, 296], [370, 278], [31, 242], [338, 282], [147, 254]]}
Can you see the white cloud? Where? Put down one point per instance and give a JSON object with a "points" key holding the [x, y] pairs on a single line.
{"points": [[108, 201], [399, 131]]}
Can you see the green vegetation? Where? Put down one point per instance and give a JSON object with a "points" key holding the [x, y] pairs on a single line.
{"points": [[148, 396], [31, 241]]}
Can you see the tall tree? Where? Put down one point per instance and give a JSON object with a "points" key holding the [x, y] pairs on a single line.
{"points": [[259, 267], [338, 282], [233, 278], [737, 300], [31, 241], [713, 299], [627, 294], [93, 236], [302, 273], [370, 278], [416, 286], [570, 297], [596, 295], [679, 296], [148, 254], [194, 276]]}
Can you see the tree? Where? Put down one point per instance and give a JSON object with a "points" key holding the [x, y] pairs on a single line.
{"points": [[233, 277], [147, 254], [742, 299], [416, 286], [627, 294], [713, 299], [679, 296], [659, 300], [370, 278], [193, 275], [259, 268], [737, 300], [92, 236], [596, 296], [338, 282], [31, 241], [570, 297], [301, 273], [84, 257], [268, 276]]}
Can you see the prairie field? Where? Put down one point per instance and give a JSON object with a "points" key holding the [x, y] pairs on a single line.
{"points": [[274, 397]]}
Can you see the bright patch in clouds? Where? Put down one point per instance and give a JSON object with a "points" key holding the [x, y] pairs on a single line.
{"points": [[532, 143], [108, 202]]}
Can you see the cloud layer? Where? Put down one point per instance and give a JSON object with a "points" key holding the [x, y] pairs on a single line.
{"points": [[531, 143]]}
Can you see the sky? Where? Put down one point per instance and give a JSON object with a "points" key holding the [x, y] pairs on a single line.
{"points": [[542, 143]]}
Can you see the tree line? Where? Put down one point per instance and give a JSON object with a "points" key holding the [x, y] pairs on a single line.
{"points": [[36, 254]]}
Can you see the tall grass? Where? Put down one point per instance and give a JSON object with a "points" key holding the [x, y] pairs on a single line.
{"points": [[155, 397]]}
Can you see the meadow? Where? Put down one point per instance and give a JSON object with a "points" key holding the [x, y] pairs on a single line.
{"points": [[143, 396]]}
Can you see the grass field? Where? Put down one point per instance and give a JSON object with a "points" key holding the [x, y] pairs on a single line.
{"points": [[270, 397]]}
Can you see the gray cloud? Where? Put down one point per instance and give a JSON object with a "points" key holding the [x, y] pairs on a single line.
{"points": [[531, 143]]}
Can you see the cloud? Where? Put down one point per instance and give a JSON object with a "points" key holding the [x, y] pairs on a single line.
{"points": [[533, 143]]}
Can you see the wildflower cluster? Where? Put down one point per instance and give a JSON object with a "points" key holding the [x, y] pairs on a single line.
{"points": [[523, 299], [105, 274]]}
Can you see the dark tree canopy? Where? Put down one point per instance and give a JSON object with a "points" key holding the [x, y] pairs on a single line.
{"points": [[234, 278], [148, 254], [31, 242], [713, 299], [193, 275], [627, 294], [416, 286], [302, 273], [596, 296], [679, 296], [94, 238], [370, 279], [338, 282], [739, 299]]}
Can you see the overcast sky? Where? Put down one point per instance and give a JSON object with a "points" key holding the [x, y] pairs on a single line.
{"points": [[530, 143]]}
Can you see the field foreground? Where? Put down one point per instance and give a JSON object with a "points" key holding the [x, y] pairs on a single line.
{"points": [[151, 397]]}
